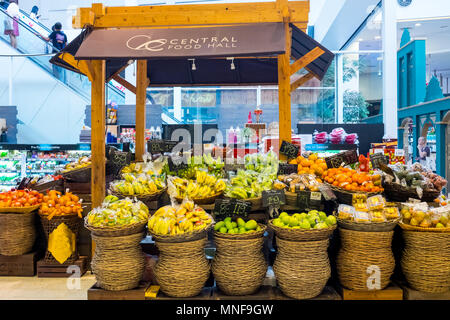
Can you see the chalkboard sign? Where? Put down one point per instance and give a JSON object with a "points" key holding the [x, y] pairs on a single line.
{"points": [[342, 158], [160, 146], [231, 207], [118, 160], [273, 198], [307, 200], [377, 159], [285, 168], [177, 163], [289, 150], [327, 193]]}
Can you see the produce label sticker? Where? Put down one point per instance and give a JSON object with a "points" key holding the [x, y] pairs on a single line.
{"points": [[377, 159], [273, 198], [231, 207], [285, 168], [289, 150]]}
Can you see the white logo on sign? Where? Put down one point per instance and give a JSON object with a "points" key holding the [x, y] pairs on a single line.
{"points": [[373, 281], [144, 42]]}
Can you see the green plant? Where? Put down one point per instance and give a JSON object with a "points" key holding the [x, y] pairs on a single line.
{"points": [[355, 106]]}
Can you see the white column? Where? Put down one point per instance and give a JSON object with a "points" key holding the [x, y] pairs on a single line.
{"points": [[389, 36], [10, 85], [339, 88], [258, 96], [177, 111], [130, 76]]}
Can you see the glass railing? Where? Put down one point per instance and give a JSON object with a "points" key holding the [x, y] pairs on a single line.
{"points": [[29, 41]]}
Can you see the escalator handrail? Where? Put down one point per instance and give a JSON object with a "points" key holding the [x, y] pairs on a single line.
{"points": [[36, 21]]}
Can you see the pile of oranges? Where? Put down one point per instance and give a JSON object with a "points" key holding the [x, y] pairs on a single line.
{"points": [[351, 180], [311, 164], [20, 198], [56, 204]]}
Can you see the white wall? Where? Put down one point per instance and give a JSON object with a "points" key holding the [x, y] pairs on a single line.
{"points": [[424, 9], [51, 112]]}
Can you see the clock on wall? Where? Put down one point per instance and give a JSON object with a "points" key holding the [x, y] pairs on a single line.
{"points": [[404, 3]]}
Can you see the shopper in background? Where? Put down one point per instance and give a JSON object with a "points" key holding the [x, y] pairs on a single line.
{"points": [[59, 41], [424, 151], [11, 23], [34, 13]]}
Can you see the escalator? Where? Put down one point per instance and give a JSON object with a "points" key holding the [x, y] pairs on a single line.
{"points": [[29, 42]]}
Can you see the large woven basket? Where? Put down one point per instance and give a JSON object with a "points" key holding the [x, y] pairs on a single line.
{"points": [[346, 197], [200, 201], [184, 237], [73, 222], [426, 261], [19, 209], [239, 266], [17, 233], [115, 231], [365, 261], [118, 262], [367, 226], [302, 269], [302, 234], [409, 227], [241, 236], [398, 193], [144, 198], [182, 268]]}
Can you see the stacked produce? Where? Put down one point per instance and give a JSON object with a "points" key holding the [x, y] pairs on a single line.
{"points": [[368, 210], [20, 199], [352, 180], [238, 226], [435, 180], [298, 182], [312, 220], [336, 136], [204, 186], [207, 163], [420, 215], [248, 184], [57, 204], [311, 164], [140, 185], [118, 213], [186, 218], [80, 163], [265, 164], [147, 168]]}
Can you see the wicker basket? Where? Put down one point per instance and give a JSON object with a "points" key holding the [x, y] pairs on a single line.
{"points": [[398, 193], [291, 198], [17, 233], [241, 236], [118, 262], [302, 234], [361, 255], [426, 261], [200, 201], [72, 222], [19, 210], [346, 197], [78, 175], [144, 198], [57, 185], [302, 269], [184, 237], [182, 268], [239, 266], [115, 231], [367, 226]]}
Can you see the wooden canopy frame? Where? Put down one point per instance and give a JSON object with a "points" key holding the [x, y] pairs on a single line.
{"points": [[176, 16]]}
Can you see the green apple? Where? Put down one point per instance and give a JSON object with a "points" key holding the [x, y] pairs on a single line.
{"points": [[223, 230], [305, 224], [227, 219], [219, 225], [240, 222], [293, 222], [283, 214], [286, 220], [234, 224], [322, 215], [331, 220]]}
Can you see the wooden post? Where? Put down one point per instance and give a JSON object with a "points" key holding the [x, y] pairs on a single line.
{"points": [[141, 97], [98, 132]]}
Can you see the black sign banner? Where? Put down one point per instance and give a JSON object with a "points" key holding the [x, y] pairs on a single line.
{"points": [[307, 200], [231, 208], [342, 158], [289, 150], [286, 168], [160, 146], [273, 198], [377, 159]]}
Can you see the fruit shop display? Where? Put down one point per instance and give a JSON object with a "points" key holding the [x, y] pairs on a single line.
{"points": [[336, 136], [206, 162], [237, 226], [265, 164], [352, 180], [311, 164], [312, 220], [416, 176], [420, 215], [183, 219], [141, 185], [297, 182], [248, 184], [118, 213], [436, 180], [54, 203], [82, 162], [441, 200], [146, 167], [20, 199], [368, 209], [204, 186]]}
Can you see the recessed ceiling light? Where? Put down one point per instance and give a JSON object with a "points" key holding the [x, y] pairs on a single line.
{"points": [[360, 39], [418, 24], [377, 37]]}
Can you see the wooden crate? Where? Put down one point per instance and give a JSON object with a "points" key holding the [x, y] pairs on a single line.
{"points": [[264, 293], [391, 292], [205, 294], [48, 270], [19, 266], [97, 293], [328, 293]]}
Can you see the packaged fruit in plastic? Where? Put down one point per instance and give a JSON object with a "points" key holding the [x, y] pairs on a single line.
{"points": [[239, 225], [377, 215], [346, 212], [359, 201], [361, 216], [391, 212], [278, 185], [376, 202]]}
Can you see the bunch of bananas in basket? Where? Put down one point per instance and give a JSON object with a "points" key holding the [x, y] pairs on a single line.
{"points": [[204, 186], [138, 185]]}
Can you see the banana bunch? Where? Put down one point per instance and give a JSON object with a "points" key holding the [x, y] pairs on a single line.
{"points": [[118, 213], [247, 184], [205, 186], [186, 218], [137, 185]]}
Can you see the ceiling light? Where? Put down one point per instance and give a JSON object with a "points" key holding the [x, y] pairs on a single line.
{"points": [[232, 66], [360, 39], [377, 37], [193, 64], [418, 24]]}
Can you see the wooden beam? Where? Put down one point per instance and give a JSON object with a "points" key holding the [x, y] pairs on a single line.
{"points": [[198, 14], [125, 83], [306, 59], [141, 97], [300, 81], [82, 65], [98, 183]]}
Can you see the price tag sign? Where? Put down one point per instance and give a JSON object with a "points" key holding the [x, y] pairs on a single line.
{"points": [[399, 152], [307, 200], [177, 163], [303, 199], [273, 198], [327, 193], [289, 150], [285, 168], [160, 146], [377, 159], [342, 158], [231, 207]]}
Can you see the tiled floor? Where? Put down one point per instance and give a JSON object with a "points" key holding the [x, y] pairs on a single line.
{"points": [[34, 288]]}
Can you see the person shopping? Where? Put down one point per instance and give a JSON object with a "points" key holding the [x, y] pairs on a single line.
{"points": [[59, 41], [11, 23], [424, 151]]}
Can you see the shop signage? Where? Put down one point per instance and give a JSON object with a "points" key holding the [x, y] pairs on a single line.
{"points": [[273, 198], [342, 158], [285, 168], [160, 146], [243, 40], [231, 207], [289, 150]]}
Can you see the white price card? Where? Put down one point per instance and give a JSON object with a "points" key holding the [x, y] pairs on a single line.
{"points": [[316, 196], [399, 152]]}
